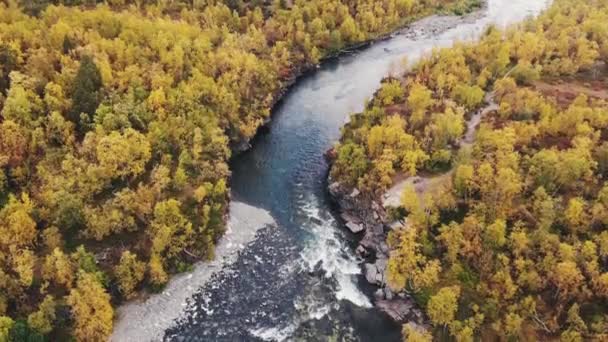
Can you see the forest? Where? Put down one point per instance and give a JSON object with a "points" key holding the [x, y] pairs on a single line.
{"points": [[117, 122], [508, 239]]}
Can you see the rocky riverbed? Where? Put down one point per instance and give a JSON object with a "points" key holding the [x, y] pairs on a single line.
{"points": [[367, 218]]}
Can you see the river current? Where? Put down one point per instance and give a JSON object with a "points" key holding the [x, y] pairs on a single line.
{"points": [[299, 278]]}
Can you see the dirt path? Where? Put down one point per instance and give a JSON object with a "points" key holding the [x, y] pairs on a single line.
{"points": [[568, 91], [423, 184]]}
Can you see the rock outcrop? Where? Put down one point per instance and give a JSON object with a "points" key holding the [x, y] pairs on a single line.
{"points": [[362, 215], [401, 310], [367, 218]]}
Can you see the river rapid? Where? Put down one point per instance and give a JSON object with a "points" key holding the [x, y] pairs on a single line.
{"points": [[296, 277]]}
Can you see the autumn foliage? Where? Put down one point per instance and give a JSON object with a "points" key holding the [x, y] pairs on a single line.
{"points": [[511, 241], [117, 121]]}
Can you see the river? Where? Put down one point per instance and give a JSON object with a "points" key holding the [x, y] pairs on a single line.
{"points": [[298, 278]]}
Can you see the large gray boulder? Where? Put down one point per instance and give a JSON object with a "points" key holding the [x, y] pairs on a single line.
{"points": [[371, 273], [354, 227]]}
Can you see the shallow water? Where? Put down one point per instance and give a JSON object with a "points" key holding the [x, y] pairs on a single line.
{"points": [[301, 280]]}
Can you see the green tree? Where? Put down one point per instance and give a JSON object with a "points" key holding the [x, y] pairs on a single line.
{"points": [[390, 92], [468, 96], [463, 181], [8, 63], [123, 155], [17, 227], [58, 269], [352, 162], [575, 215], [86, 94]]}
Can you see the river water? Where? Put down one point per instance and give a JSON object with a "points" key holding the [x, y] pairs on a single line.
{"points": [[299, 279]]}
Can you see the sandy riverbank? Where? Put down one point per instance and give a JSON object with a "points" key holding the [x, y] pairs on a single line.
{"points": [[147, 320]]}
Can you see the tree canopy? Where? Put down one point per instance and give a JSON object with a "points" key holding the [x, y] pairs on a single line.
{"points": [[513, 245], [117, 121]]}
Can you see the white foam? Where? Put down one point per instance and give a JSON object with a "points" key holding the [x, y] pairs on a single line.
{"points": [[348, 290], [277, 334], [330, 252], [147, 320], [318, 313], [308, 309]]}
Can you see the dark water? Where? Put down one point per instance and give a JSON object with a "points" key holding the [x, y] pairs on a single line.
{"points": [[301, 280]]}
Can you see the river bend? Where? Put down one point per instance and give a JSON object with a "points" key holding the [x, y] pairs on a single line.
{"points": [[298, 278]]}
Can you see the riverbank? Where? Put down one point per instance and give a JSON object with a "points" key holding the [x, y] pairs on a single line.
{"points": [[368, 216], [471, 240], [140, 319], [147, 319], [425, 23]]}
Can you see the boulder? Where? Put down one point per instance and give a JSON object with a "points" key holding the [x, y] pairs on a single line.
{"points": [[381, 264], [379, 277], [379, 294], [371, 273], [334, 188], [375, 206], [378, 230], [361, 251], [355, 193], [388, 294], [396, 225], [384, 248], [400, 310], [368, 241], [349, 218], [353, 227]]}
